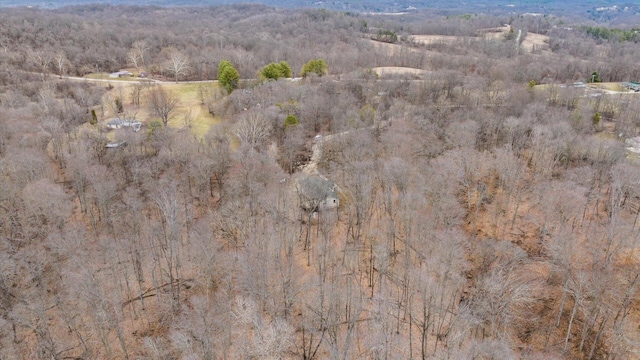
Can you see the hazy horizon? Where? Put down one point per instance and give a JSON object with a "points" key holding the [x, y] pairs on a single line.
{"points": [[518, 6]]}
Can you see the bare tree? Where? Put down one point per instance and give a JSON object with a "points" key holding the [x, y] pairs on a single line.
{"points": [[169, 246], [253, 129], [42, 59], [134, 57], [135, 92], [177, 63], [267, 339], [61, 62], [46, 203], [218, 151], [162, 103], [141, 48]]}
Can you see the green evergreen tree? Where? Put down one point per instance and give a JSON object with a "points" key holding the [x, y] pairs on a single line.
{"points": [[274, 71], [223, 65], [270, 72], [387, 36], [94, 118], [228, 76], [285, 69], [318, 67], [119, 105], [290, 121], [596, 119]]}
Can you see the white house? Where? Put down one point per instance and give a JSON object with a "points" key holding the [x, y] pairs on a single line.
{"points": [[118, 123], [119, 74], [633, 144]]}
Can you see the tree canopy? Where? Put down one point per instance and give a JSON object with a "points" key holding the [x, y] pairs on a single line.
{"points": [[446, 199], [600, 32], [274, 71], [318, 67], [387, 36]]}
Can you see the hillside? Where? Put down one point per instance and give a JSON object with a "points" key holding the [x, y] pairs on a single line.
{"points": [[252, 182], [598, 10]]}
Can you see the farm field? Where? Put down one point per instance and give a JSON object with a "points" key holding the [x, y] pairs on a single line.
{"points": [[531, 42], [383, 71]]}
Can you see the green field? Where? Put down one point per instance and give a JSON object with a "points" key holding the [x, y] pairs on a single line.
{"points": [[189, 112], [190, 106]]}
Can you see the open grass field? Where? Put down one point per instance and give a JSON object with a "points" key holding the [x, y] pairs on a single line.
{"points": [[531, 42], [389, 49], [190, 107], [610, 86], [190, 112], [436, 39], [383, 71]]}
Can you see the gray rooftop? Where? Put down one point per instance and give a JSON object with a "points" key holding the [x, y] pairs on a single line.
{"points": [[117, 123], [317, 193]]}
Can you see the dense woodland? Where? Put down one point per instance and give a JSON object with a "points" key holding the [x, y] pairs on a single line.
{"points": [[486, 210]]}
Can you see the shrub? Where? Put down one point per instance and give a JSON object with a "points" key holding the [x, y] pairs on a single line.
{"points": [[290, 121]]}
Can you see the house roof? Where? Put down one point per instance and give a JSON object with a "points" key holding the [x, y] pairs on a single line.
{"points": [[115, 145], [315, 191], [118, 123]]}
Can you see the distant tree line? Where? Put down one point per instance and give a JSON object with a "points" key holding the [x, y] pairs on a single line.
{"points": [[604, 33]]}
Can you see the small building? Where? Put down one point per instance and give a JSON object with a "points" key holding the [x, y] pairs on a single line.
{"points": [[317, 193], [119, 74], [119, 123], [633, 144], [115, 145]]}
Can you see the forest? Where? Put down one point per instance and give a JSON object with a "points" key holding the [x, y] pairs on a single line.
{"points": [[598, 10], [249, 182]]}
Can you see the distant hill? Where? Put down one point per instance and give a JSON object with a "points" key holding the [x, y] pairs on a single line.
{"points": [[599, 10]]}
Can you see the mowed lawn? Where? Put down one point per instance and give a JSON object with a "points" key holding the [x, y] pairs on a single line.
{"points": [[611, 86], [189, 111], [190, 106]]}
